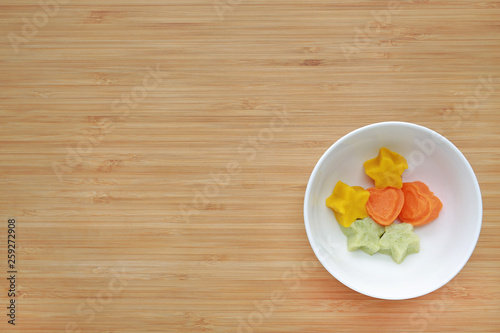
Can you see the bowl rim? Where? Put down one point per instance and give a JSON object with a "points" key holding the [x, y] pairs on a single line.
{"points": [[338, 142]]}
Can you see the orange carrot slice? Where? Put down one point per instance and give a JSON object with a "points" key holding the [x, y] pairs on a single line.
{"points": [[434, 202], [385, 204], [415, 206], [420, 206]]}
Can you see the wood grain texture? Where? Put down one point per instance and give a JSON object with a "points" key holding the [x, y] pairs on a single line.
{"points": [[155, 155]]}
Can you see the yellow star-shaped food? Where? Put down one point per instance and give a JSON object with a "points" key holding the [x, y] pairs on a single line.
{"points": [[348, 203], [386, 169]]}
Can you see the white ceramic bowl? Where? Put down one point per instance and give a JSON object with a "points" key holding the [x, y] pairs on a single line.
{"points": [[445, 243]]}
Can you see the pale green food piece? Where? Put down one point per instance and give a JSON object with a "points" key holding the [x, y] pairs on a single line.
{"points": [[399, 241], [363, 234]]}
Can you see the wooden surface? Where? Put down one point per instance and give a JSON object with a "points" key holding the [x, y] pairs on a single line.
{"points": [[155, 156]]}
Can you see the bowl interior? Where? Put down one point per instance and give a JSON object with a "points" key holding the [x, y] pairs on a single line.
{"points": [[445, 244]]}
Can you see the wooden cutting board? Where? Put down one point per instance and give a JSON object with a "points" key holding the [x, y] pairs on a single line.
{"points": [[155, 154]]}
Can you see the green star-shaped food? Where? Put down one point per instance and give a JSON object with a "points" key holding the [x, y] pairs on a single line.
{"points": [[399, 241], [363, 234]]}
